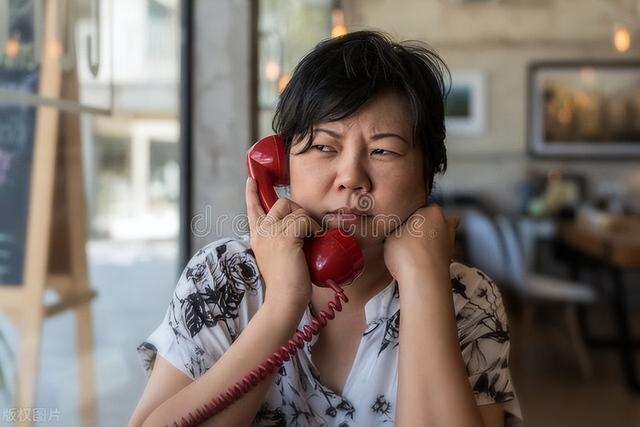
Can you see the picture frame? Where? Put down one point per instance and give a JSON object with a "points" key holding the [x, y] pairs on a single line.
{"points": [[585, 109], [466, 104]]}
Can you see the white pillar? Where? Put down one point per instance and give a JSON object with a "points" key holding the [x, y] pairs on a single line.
{"points": [[221, 114]]}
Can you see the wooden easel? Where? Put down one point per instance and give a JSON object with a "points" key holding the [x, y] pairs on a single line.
{"points": [[55, 256]]}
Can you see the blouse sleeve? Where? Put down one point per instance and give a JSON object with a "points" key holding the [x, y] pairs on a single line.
{"points": [[217, 294], [484, 340]]}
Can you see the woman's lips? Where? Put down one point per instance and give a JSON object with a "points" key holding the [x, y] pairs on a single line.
{"points": [[346, 210], [344, 216]]}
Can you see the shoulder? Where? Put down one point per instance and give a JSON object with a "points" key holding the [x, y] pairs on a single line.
{"points": [[217, 293], [469, 283], [221, 282], [222, 262], [220, 249], [475, 295], [220, 286], [468, 277]]}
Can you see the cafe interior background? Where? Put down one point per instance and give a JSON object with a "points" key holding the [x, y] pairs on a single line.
{"points": [[123, 129]]}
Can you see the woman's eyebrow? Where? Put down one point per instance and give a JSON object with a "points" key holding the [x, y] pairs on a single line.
{"points": [[375, 137], [331, 133], [387, 135]]}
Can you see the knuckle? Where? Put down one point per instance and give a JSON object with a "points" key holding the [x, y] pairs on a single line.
{"points": [[281, 203]]}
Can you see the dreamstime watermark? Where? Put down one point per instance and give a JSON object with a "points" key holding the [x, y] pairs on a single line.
{"points": [[13, 415], [203, 224], [364, 202]]}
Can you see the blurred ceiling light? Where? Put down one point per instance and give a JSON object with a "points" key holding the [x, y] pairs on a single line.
{"points": [[621, 38], [282, 82], [272, 71], [338, 28], [12, 47]]}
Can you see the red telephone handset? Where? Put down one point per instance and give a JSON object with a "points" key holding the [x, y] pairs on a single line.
{"points": [[334, 259]]}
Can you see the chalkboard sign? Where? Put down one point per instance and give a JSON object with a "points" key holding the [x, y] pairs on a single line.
{"points": [[17, 124], [18, 72]]}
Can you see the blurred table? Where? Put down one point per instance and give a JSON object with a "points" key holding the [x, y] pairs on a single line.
{"points": [[617, 244], [616, 248]]}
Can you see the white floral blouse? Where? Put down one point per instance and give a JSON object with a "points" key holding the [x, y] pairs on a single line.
{"points": [[221, 289]]}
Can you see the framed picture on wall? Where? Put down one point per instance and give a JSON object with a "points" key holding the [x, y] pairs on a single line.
{"points": [[584, 109], [465, 108]]}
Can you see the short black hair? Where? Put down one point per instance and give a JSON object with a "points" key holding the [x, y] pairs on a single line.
{"points": [[341, 74]]}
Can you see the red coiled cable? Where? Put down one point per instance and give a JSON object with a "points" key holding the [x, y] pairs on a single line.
{"points": [[267, 367]]}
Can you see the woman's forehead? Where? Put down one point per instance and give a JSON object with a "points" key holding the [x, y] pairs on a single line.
{"points": [[382, 113]]}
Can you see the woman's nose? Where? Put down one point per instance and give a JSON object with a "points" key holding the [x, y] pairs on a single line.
{"points": [[353, 175]]}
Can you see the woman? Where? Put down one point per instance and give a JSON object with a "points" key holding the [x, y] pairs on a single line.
{"points": [[363, 122]]}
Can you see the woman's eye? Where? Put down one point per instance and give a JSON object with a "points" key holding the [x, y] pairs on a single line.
{"points": [[322, 148], [381, 152]]}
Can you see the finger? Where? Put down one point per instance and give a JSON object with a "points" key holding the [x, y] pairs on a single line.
{"points": [[255, 213], [294, 206], [300, 224], [280, 209]]}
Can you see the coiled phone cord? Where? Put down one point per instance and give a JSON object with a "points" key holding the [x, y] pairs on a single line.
{"points": [[269, 366]]}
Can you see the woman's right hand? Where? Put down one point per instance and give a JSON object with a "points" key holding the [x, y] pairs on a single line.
{"points": [[277, 240]]}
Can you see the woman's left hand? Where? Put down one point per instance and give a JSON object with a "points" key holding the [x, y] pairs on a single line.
{"points": [[425, 238]]}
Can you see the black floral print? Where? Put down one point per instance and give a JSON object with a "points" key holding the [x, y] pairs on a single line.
{"points": [[195, 314], [148, 348], [270, 417], [221, 289], [381, 406], [241, 269], [195, 273], [458, 287], [391, 332]]}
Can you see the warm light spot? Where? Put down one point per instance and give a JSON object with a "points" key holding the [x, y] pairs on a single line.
{"points": [[338, 28], [54, 49], [621, 38], [272, 71], [282, 82], [12, 47]]}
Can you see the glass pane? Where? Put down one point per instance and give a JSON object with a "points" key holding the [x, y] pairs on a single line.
{"points": [[107, 159], [288, 29]]}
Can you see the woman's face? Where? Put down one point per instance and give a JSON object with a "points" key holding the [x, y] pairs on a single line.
{"points": [[362, 173]]}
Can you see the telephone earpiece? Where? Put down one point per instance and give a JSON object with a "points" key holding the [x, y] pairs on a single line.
{"points": [[334, 256], [267, 164]]}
